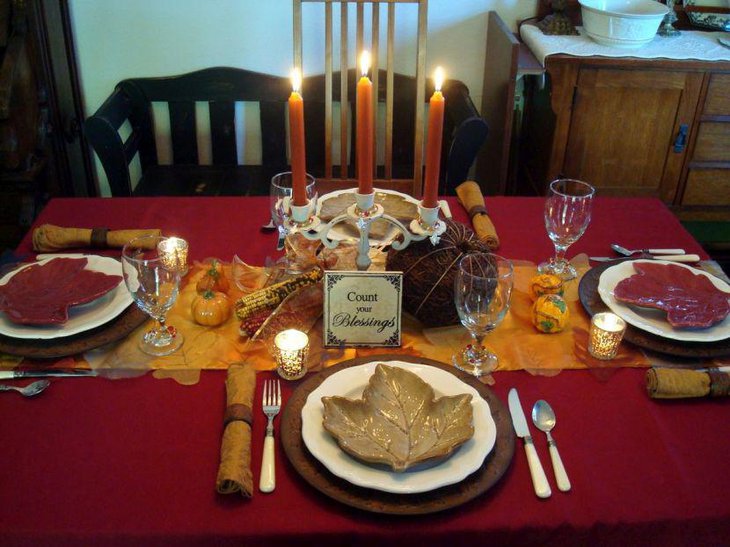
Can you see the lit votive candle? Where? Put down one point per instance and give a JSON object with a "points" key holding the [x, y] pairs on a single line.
{"points": [[291, 348], [174, 254], [607, 330]]}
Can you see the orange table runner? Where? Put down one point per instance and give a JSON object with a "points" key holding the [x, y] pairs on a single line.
{"points": [[517, 343]]}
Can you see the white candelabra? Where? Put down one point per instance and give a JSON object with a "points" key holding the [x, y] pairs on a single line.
{"points": [[303, 219]]}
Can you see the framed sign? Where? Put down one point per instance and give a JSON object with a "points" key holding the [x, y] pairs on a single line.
{"points": [[362, 309]]}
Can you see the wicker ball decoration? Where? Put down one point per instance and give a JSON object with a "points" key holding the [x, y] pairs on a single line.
{"points": [[429, 272]]}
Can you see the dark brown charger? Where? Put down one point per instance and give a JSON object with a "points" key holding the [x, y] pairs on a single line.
{"points": [[593, 304], [447, 497], [55, 348]]}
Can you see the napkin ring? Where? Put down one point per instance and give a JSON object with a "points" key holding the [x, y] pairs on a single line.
{"points": [[476, 210], [238, 413], [719, 384], [98, 237]]}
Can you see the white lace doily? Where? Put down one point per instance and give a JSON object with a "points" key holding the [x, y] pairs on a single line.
{"points": [[690, 44]]}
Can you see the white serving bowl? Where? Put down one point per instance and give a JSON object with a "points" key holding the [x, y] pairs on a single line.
{"points": [[622, 23]]}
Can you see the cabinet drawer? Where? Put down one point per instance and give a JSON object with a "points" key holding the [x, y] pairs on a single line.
{"points": [[718, 96], [713, 142], [707, 187]]}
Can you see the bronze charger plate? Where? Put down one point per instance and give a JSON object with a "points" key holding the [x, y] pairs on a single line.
{"points": [[54, 348], [312, 471], [593, 304]]}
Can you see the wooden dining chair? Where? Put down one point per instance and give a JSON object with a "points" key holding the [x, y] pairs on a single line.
{"points": [[219, 89], [123, 130], [403, 99]]}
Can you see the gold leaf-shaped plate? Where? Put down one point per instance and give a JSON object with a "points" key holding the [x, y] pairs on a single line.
{"points": [[399, 422], [401, 206], [351, 382]]}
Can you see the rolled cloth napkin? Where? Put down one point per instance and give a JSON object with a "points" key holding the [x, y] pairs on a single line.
{"points": [[234, 471], [471, 198], [675, 383], [48, 237]]}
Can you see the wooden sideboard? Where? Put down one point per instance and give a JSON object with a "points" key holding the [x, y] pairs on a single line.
{"points": [[632, 127]]}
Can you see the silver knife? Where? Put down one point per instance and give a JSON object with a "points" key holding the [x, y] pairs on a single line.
{"points": [[670, 258], [539, 479], [11, 374]]}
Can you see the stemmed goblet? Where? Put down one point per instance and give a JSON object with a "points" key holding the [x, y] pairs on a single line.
{"points": [[154, 287], [280, 194], [482, 291], [567, 214]]}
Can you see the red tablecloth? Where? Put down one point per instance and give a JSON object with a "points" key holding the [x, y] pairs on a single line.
{"points": [[94, 461]]}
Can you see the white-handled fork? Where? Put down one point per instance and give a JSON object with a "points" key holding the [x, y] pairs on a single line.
{"points": [[271, 404]]}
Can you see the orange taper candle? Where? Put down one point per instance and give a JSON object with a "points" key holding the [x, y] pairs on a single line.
{"points": [[433, 142], [296, 141], [365, 128]]}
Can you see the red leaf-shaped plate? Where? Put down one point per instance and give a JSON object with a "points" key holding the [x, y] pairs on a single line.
{"points": [[668, 299], [61, 296]]}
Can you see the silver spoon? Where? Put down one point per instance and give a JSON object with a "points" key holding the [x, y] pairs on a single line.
{"points": [[30, 390], [544, 419], [628, 252]]}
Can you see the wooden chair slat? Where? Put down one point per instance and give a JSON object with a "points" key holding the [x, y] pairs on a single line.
{"points": [[343, 92], [223, 132], [375, 26], [389, 93], [140, 117], [182, 132], [273, 135], [420, 96], [328, 117]]}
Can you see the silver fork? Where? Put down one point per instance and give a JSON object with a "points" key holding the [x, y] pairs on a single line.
{"points": [[271, 404]]}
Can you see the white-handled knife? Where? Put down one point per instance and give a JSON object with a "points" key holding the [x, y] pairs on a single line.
{"points": [[539, 479], [43, 373], [669, 258]]}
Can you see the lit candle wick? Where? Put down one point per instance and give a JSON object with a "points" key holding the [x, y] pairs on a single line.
{"points": [[296, 80], [438, 78], [365, 62]]}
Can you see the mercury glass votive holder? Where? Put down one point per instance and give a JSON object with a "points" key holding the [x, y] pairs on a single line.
{"points": [[607, 330], [174, 254], [291, 348]]}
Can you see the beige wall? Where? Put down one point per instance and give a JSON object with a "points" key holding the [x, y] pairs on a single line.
{"points": [[131, 38]]}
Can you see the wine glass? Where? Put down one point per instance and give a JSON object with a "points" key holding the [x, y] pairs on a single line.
{"points": [[567, 214], [154, 285], [482, 291], [280, 193]]}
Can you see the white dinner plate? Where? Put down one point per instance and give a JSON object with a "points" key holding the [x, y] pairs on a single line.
{"points": [[654, 320], [351, 382], [80, 318], [337, 233]]}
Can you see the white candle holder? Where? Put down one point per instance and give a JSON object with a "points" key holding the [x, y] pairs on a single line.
{"points": [[607, 330], [363, 213], [300, 218], [291, 348], [174, 254]]}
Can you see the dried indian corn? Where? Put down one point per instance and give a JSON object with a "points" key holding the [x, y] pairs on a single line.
{"points": [[270, 297]]}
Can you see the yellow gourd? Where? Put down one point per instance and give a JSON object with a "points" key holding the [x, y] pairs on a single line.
{"points": [[550, 313], [545, 284]]}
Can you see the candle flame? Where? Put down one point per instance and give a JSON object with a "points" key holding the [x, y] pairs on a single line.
{"points": [[365, 62], [296, 80], [438, 78]]}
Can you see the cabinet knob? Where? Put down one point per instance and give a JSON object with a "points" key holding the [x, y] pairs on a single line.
{"points": [[681, 141]]}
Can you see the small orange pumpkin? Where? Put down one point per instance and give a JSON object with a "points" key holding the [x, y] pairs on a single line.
{"points": [[211, 308], [213, 280]]}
